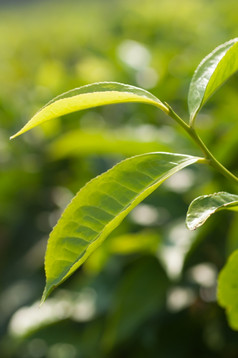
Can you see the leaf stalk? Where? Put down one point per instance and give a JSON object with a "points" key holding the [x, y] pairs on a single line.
{"points": [[210, 159]]}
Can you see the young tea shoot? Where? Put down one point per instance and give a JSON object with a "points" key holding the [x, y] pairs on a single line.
{"points": [[101, 205]]}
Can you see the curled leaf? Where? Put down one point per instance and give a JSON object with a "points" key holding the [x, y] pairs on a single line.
{"points": [[206, 205]]}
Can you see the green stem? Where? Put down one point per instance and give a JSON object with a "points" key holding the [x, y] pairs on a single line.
{"points": [[208, 155], [213, 161]]}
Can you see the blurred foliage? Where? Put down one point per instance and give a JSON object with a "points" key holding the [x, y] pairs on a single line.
{"points": [[150, 289]]}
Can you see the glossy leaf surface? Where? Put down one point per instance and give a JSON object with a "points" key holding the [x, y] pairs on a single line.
{"points": [[204, 206], [211, 73], [100, 206], [228, 289], [89, 96]]}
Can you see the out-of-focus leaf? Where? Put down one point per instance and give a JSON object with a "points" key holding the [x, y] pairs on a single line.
{"points": [[228, 289], [140, 294], [100, 206], [132, 243], [232, 237], [85, 142], [146, 241], [204, 206], [89, 96], [211, 73]]}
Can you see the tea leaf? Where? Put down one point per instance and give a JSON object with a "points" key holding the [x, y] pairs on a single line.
{"points": [[228, 289], [210, 74], [93, 95], [100, 206], [204, 206]]}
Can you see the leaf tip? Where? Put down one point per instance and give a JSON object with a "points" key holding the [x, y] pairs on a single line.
{"points": [[43, 298], [190, 226], [13, 136], [47, 291], [16, 134]]}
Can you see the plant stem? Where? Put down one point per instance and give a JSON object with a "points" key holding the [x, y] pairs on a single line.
{"points": [[208, 155], [213, 161]]}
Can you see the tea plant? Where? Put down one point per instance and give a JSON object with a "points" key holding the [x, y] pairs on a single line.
{"points": [[101, 205]]}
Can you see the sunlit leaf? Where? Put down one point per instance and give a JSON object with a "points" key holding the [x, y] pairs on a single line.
{"points": [[204, 206], [211, 73], [93, 95], [100, 206], [228, 289]]}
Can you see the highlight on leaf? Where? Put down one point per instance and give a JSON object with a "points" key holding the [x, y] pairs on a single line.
{"points": [[100, 206], [206, 205], [89, 96], [210, 74]]}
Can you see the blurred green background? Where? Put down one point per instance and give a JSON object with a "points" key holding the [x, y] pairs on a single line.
{"points": [[150, 290]]}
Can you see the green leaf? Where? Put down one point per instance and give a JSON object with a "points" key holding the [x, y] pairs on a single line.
{"points": [[91, 141], [100, 206], [204, 206], [145, 242], [228, 289], [232, 237], [210, 74], [93, 95]]}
